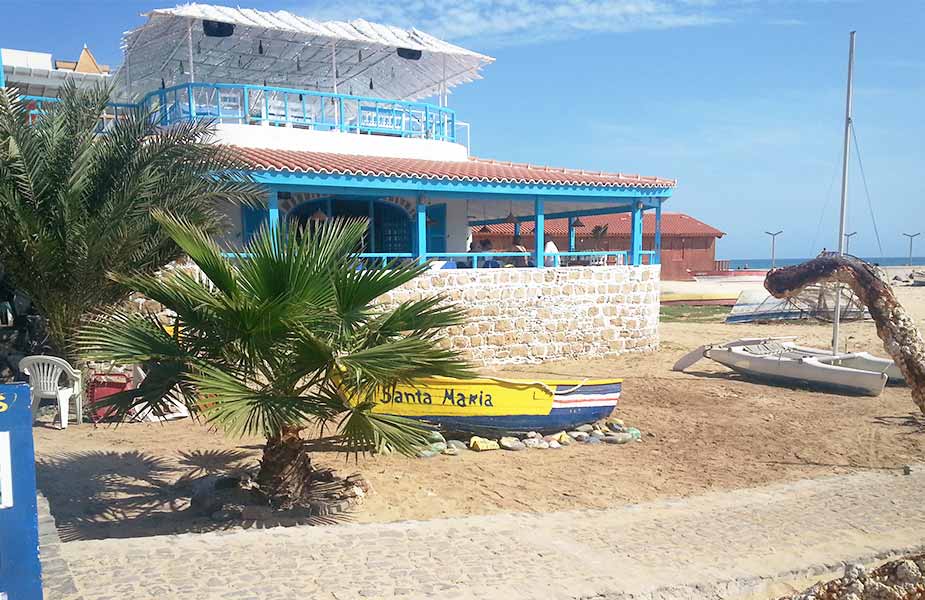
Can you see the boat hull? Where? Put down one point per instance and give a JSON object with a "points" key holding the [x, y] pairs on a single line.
{"points": [[799, 366], [493, 406]]}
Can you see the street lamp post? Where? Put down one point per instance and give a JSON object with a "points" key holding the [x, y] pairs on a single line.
{"points": [[848, 240], [911, 237], [773, 235]]}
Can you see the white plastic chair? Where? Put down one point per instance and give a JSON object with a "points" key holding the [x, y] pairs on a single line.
{"points": [[45, 374]]}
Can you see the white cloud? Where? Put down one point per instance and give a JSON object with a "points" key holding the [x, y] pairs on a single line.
{"points": [[510, 22]]}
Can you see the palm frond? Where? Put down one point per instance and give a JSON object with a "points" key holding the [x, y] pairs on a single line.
{"points": [[130, 338], [196, 244], [363, 430], [427, 317], [401, 361]]}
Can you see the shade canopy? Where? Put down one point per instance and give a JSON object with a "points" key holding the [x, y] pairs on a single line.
{"points": [[235, 45]]}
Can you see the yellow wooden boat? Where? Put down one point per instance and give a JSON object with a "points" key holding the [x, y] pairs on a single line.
{"points": [[502, 405]]}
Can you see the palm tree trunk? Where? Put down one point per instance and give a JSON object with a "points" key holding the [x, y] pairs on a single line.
{"points": [[895, 327], [286, 469], [62, 335]]}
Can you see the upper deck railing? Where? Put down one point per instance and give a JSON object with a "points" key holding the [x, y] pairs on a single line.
{"points": [[304, 109], [284, 107], [37, 105]]}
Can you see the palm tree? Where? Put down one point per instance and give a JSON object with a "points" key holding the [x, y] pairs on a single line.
{"points": [[286, 335], [76, 199], [598, 234]]}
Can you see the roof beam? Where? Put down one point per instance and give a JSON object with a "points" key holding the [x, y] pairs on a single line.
{"points": [[321, 182]]}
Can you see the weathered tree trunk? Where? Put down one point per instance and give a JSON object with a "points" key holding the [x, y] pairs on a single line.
{"points": [[285, 469], [895, 327]]}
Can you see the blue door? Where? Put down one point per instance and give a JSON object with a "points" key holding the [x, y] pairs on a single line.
{"points": [[436, 228], [252, 219], [20, 573], [393, 229]]}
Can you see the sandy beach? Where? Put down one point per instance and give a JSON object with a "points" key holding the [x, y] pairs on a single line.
{"points": [[705, 429]]}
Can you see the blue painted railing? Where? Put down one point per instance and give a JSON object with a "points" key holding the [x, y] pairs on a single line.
{"points": [[384, 258], [482, 260], [285, 107], [490, 260], [475, 260], [38, 105], [305, 109]]}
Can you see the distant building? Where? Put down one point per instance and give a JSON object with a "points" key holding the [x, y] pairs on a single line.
{"points": [[85, 63], [688, 244], [37, 76]]}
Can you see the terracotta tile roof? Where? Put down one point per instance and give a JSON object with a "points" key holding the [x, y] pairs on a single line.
{"points": [[474, 169], [618, 225]]}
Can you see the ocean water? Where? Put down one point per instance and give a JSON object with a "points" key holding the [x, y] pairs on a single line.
{"points": [[765, 263]]}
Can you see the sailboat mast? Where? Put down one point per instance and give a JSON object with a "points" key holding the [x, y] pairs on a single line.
{"points": [[836, 317]]}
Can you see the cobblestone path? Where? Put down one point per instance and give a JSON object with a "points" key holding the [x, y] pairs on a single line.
{"points": [[713, 546]]}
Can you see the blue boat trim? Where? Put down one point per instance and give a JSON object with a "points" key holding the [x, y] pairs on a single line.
{"points": [[558, 419], [564, 391]]}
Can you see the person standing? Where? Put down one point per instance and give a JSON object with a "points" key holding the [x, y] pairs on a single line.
{"points": [[552, 252], [517, 245]]}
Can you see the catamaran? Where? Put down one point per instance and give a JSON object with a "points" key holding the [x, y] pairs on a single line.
{"points": [[782, 360]]}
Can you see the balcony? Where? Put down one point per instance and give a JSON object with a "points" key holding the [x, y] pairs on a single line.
{"points": [[243, 104]]}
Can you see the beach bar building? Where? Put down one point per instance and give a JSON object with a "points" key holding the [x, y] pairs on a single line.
{"points": [[353, 119], [687, 245]]}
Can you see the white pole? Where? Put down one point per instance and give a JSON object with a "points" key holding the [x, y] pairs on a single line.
{"points": [[848, 241], [334, 63], [128, 75], [911, 237], [337, 115], [844, 190], [189, 51], [773, 235]]}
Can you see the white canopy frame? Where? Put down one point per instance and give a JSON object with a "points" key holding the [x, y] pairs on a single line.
{"points": [[282, 49]]}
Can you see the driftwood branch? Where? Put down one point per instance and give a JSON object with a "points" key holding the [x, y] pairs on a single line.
{"points": [[895, 327]]}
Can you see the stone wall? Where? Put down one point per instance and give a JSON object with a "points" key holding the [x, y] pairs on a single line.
{"points": [[532, 315]]}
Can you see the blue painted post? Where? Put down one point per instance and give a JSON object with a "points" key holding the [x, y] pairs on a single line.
{"points": [[571, 234], [2, 74], [517, 228], [191, 102], [658, 233], [372, 225], [422, 232], [273, 205], [636, 235], [539, 233], [20, 570], [162, 108]]}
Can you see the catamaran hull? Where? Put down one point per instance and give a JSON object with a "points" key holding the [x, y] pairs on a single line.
{"points": [[809, 371]]}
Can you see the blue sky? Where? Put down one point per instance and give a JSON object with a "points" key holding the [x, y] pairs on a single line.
{"points": [[741, 100]]}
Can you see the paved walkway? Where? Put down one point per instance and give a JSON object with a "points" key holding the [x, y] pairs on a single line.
{"points": [[713, 546]]}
